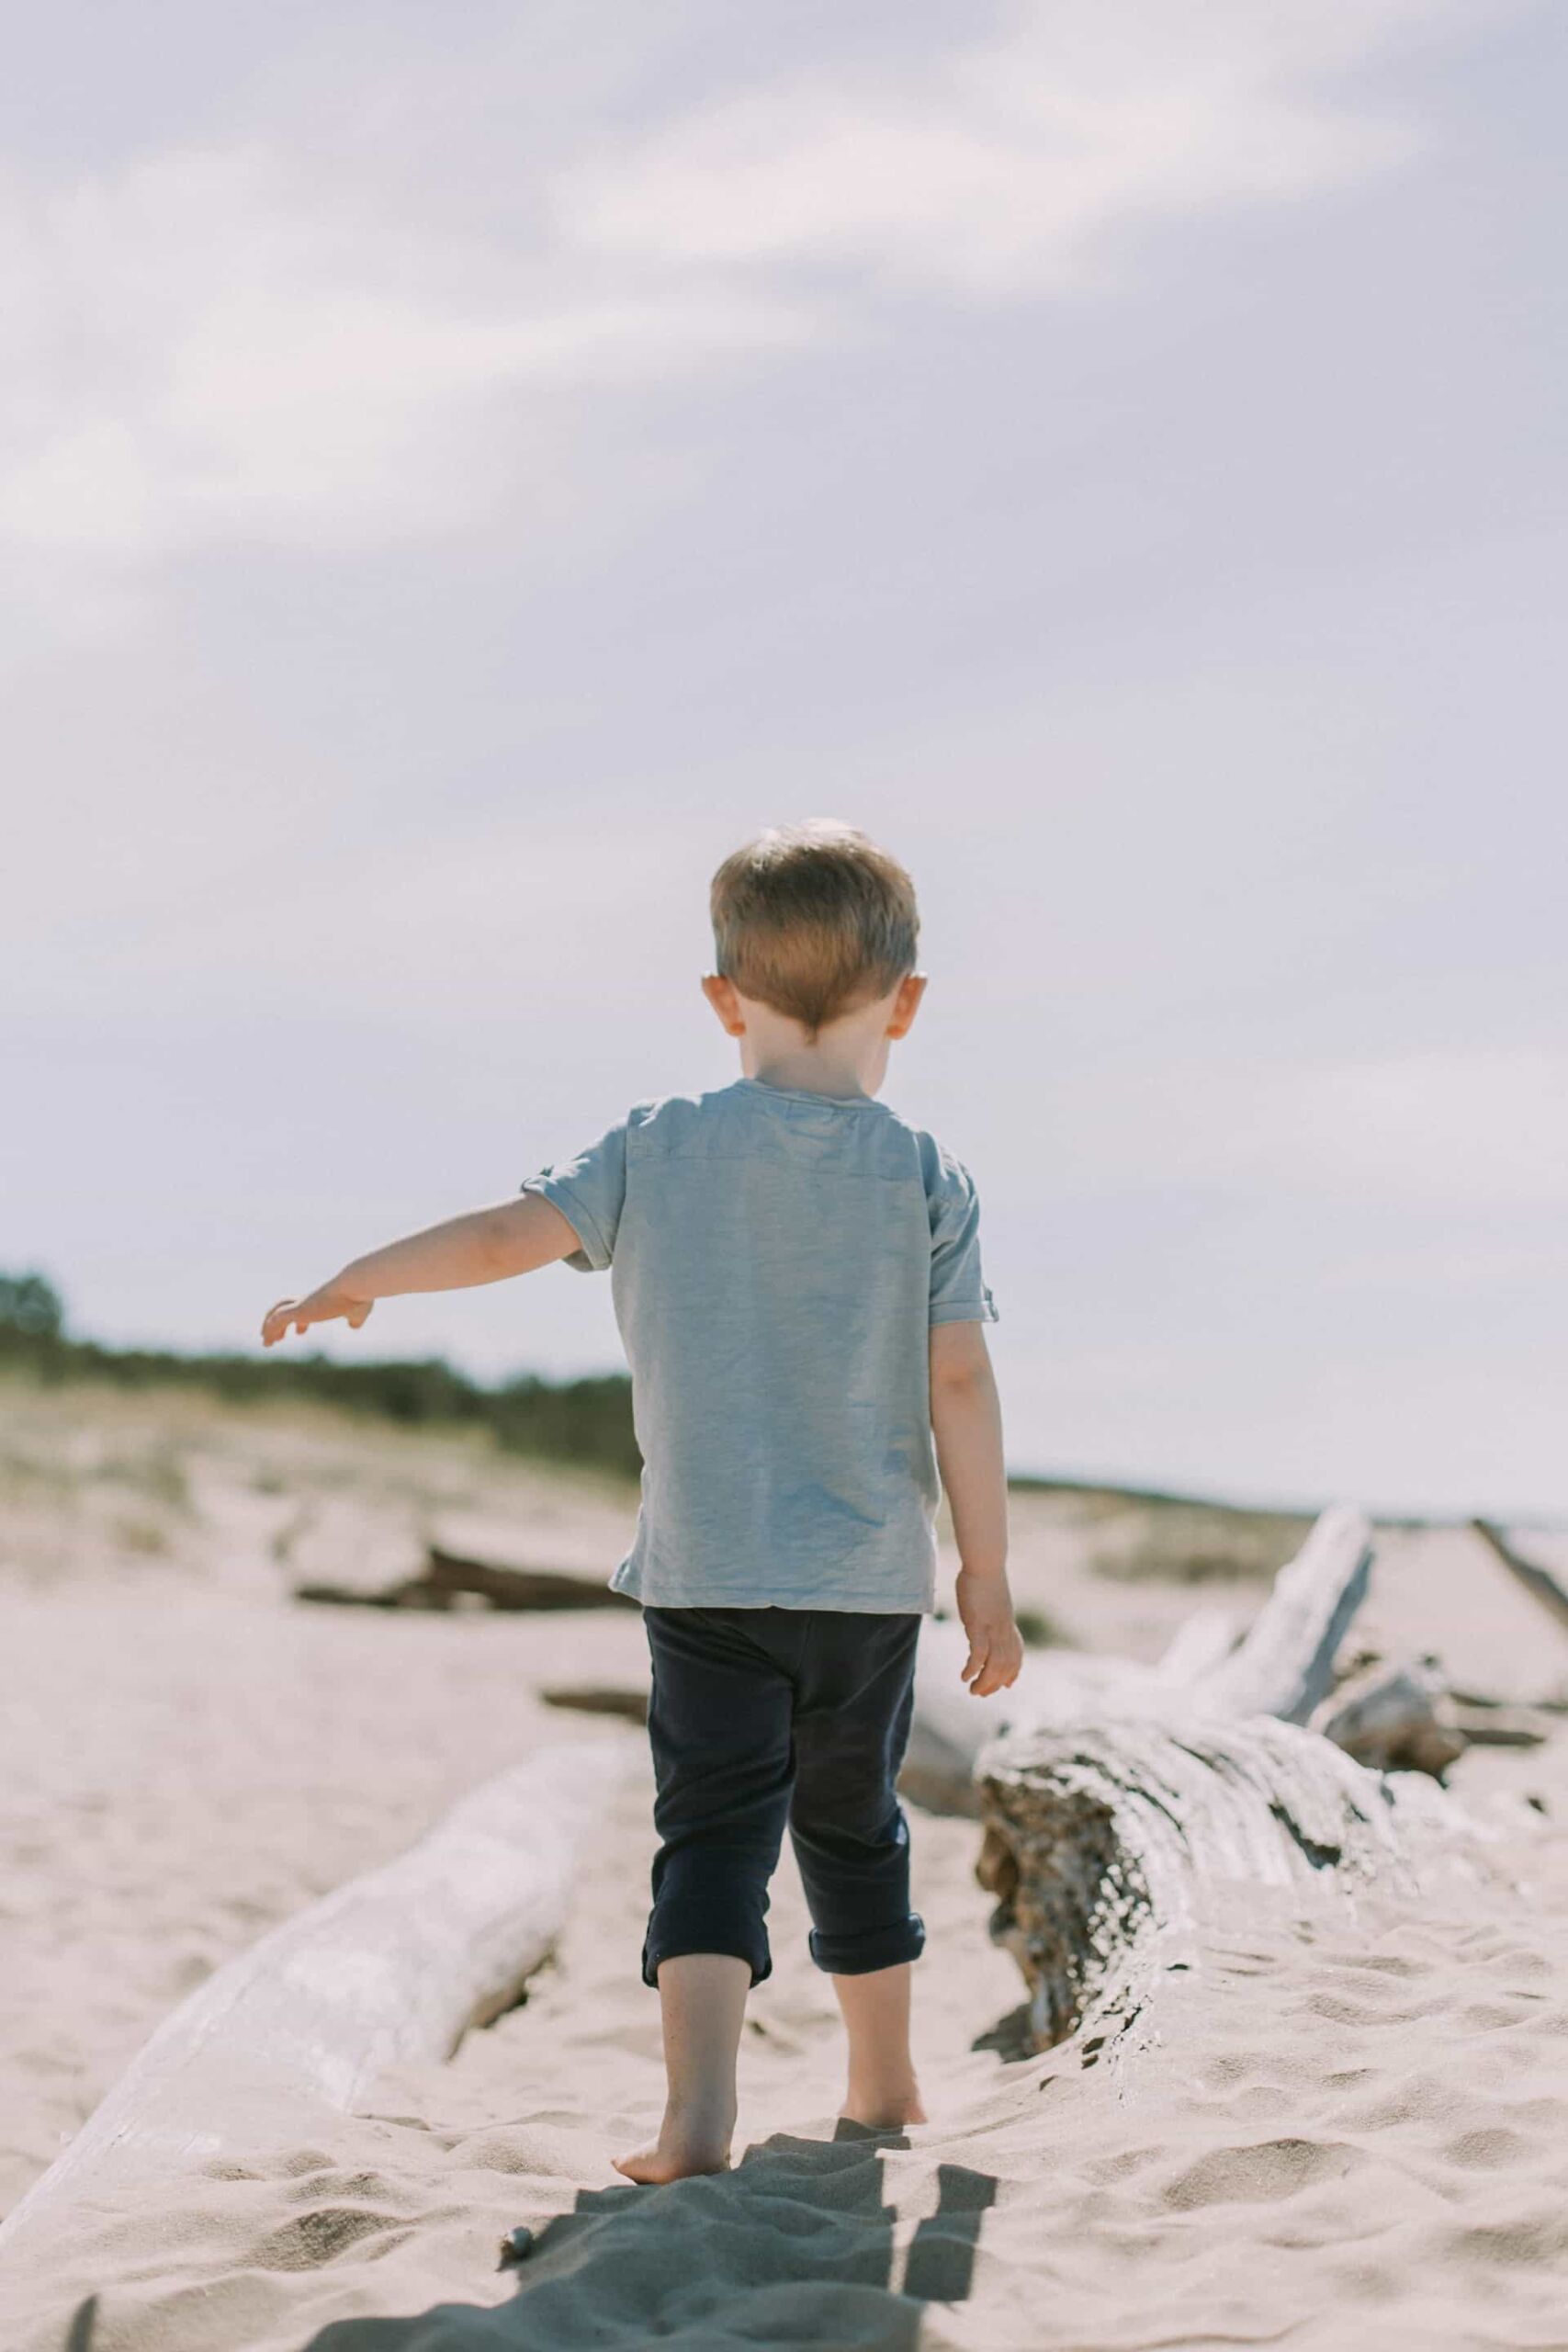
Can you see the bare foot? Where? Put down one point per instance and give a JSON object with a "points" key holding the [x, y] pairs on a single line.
{"points": [[882, 2112], [685, 2145]]}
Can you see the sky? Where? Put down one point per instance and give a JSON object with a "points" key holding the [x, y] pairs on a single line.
{"points": [[463, 471]]}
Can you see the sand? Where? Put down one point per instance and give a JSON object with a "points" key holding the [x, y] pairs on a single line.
{"points": [[1355, 2132]]}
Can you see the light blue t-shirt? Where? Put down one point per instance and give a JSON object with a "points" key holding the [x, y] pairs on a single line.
{"points": [[776, 1260]]}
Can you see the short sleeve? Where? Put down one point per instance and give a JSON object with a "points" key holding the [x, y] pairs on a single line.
{"points": [[958, 1293], [589, 1192]]}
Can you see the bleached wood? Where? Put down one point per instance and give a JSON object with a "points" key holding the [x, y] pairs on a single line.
{"points": [[951, 1727], [1111, 1848], [1113, 1843], [1283, 1665], [395, 1966], [1201, 1643]]}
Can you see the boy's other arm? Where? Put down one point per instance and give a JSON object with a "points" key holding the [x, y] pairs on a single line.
{"points": [[967, 1422], [485, 1246]]}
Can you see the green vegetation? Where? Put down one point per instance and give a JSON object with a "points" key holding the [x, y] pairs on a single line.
{"points": [[1189, 1542], [584, 1422]]}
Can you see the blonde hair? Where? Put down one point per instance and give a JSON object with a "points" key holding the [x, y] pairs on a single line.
{"points": [[813, 919]]}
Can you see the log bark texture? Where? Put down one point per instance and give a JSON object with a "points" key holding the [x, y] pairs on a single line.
{"points": [[1107, 1847], [1114, 1841]]}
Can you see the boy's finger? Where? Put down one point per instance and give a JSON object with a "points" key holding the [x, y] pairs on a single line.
{"points": [[973, 1663]]}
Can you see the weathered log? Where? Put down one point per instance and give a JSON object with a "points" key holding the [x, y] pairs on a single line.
{"points": [[1547, 1702], [601, 1699], [395, 1966], [1283, 1665], [1111, 1847], [1115, 1846], [1539, 1582], [520, 1587], [409, 1592], [1395, 1721], [1200, 1645], [449, 1579], [1502, 1727], [951, 1727]]}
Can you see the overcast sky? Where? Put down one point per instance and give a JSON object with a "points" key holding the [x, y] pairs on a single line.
{"points": [[462, 470]]}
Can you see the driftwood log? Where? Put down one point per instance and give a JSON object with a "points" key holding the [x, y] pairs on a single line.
{"points": [[448, 1580], [1539, 1582], [395, 1966], [1109, 1848], [1117, 1833], [600, 1699], [1282, 1666], [1395, 1720]]}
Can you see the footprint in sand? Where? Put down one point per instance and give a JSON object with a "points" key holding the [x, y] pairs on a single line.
{"points": [[1260, 2175], [1489, 2146]]}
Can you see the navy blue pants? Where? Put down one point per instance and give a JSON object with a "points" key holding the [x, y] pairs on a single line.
{"points": [[764, 1718]]}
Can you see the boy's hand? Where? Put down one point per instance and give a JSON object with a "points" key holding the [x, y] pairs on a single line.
{"points": [[996, 1646], [330, 1304]]}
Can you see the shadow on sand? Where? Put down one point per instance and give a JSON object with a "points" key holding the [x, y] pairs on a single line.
{"points": [[795, 2246]]}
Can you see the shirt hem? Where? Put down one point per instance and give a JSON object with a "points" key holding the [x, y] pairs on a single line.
{"points": [[850, 1600]]}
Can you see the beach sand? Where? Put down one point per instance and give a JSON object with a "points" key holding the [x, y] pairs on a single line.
{"points": [[1353, 2132]]}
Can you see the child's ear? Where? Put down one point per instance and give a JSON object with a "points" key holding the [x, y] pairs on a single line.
{"points": [[906, 1003], [721, 994]]}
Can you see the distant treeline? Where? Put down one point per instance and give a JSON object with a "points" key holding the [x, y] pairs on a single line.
{"points": [[587, 1422]]}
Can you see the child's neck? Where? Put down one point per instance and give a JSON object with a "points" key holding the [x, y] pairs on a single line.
{"points": [[847, 1060], [848, 1070]]}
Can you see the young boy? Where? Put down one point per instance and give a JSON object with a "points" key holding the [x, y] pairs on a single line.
{"points": [[796, 1278]]}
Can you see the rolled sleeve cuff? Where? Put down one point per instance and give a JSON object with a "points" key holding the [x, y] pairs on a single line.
{"points": [[594, 1255], [982, 1309]]}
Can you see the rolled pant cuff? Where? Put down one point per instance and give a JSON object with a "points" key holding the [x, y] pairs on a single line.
{"points": [[759, 1961], [875, 1948]]}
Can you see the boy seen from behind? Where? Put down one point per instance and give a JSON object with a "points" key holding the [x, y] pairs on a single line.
{"points": [[796, 1278]]}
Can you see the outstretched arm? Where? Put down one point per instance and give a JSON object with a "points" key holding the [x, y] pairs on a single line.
{"points": [[967, 1422], [485, 1246]]}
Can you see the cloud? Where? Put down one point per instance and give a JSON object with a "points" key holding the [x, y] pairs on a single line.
{"points": [[1002, 167], [1478, 1132], [233, 342], [283, 339], [1475, 1130]]}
